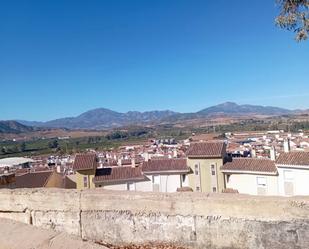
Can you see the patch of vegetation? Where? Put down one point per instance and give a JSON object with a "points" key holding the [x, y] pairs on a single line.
{"points": [[119, 137]]}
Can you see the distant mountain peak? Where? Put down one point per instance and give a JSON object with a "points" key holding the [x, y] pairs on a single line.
{"points": [[100, 118], [105, 118], [228, 103], [229, 108]]}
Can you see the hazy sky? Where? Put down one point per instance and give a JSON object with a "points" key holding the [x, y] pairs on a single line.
{"points": [[62, 57]]}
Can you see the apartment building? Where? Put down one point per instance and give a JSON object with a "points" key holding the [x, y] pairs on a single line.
{"points": [[205, 161]]}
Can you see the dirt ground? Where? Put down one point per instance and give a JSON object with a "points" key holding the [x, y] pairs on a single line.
{"points": [[146, 246]]}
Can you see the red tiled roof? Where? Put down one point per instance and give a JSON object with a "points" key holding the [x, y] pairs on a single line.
{"points": [[7, 179], [33, 180], [22, 171], [129, 161], [112, 162], [207, 149], [126, 162], [251, 165], [159, 165], [85, 161], [293, 158], [39, 169], [118, 174]]}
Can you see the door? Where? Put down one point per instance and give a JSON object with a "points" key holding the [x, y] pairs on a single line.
{"points": [[261, 185], [288, 182], [156, 183]]}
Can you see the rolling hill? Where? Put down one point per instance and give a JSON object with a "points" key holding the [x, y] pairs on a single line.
{"points": [[14, 127], [231, 108]]}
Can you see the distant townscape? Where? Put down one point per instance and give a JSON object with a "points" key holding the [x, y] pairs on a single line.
{"points": [[154, 124], [272, 162]]}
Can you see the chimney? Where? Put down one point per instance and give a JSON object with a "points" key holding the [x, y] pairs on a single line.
{"points": [[272, 153], [100, 163], [253, 153], [133, 162], [286, 145], [146, 156], [175, 153]]}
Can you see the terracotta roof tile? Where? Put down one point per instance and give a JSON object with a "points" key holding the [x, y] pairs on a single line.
{"points": [[207, 149], [159, 165], [118, 174], [294, 158], [22, 171], [85, 161], [33, 180], [7, 179], [126, 162], [250, 165]]}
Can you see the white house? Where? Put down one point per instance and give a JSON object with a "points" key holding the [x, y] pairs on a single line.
{"points": [[166, 175], [293, 169], [120, 178], [158, 175], [252, 176], [19, 162]]}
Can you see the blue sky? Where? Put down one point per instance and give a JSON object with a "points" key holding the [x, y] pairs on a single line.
{"points": [[62, 57]]}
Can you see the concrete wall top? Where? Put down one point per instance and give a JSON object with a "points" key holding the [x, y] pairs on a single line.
{"points": [[20, 200], [199, 204]]}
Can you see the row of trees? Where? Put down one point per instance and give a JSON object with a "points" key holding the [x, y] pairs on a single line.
{"points": [[14, 149]]}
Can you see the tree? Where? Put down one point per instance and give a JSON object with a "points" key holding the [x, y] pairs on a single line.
{"points": [[3, 150], [294, 16], [15, 149], [53, 144], [22, 146], [90, 140]]}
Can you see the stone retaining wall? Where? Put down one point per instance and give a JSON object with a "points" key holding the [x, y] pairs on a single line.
{"points": [[189, 219]]}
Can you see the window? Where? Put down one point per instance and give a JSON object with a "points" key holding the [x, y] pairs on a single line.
{"points": [[261, 181], [228, 178], [183, 178], [213, 170], [197, 188], [156, 179], [214, 189], [196, 169], [85, 181]]}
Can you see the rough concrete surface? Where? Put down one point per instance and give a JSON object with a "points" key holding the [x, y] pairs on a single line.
{"points": [[192, 220], [15, 235]]}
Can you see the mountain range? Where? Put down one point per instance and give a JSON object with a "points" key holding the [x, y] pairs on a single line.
{"points": [[12, 126], [102, 118]]}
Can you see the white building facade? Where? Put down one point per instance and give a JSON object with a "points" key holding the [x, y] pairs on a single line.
{"points": [[293, 169], [251, 176], [158, 175]]}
